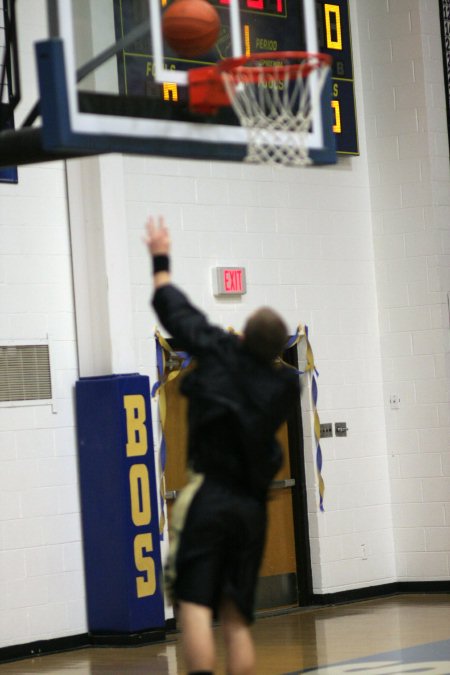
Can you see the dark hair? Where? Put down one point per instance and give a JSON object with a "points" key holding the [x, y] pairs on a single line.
{"points": [[265, 334]]}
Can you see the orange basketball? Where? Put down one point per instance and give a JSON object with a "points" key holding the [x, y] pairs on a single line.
{"points": [[191, 27]]}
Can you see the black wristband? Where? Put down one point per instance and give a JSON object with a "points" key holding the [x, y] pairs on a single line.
{"points": [[161, 263]]}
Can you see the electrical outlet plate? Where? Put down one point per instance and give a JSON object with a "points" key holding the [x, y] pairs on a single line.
{"points": [[326, 430], [394, 401]]}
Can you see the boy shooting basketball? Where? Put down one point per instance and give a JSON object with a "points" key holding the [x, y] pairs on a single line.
{"points": [[237, 398]]}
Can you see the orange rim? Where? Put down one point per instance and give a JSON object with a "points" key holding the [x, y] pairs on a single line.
{"points": [[307, 62]]}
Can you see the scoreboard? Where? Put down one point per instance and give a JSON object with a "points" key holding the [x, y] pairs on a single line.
{"points": [[266, 25]]}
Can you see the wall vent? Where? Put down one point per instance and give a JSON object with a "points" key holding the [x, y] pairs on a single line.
{"points": [[25, 373]]}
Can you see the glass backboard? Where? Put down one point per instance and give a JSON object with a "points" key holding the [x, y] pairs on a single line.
{"points": [[109, 82]]}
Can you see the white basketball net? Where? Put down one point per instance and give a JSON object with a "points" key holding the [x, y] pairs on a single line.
{"points": [[276, 107]]}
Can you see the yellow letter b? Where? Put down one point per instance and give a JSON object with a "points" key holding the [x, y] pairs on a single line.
{"points": [[136, 430]]}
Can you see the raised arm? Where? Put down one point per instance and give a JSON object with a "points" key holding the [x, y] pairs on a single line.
{"points": [[184, 322], [157, 238]]}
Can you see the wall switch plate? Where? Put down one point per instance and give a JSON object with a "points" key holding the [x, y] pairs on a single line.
{"points": [[326, 430], [340, 428]]}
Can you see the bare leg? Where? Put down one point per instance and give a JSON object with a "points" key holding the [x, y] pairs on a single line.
{"points": [[238, 640], [197, 636]]}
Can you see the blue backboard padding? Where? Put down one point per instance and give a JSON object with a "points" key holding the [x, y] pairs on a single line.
{"points": [[8, 175], [108, 527]]}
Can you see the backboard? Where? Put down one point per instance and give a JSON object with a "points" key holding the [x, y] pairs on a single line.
{"points": [[109, 83]]}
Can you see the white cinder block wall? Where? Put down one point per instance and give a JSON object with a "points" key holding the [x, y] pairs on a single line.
{"points": [[311, 257], [41, 571], [407, 143], [306, 239]]}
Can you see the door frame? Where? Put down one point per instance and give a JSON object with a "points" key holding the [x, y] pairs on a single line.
{"points": [[299, 494]]}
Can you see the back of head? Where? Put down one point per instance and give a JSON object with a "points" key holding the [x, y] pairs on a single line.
{"points": [[265, 334]]}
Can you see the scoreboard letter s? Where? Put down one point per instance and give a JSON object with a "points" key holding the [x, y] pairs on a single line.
{"points": [[145, 585]]}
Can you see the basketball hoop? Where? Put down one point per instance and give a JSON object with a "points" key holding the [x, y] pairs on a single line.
{"points": [[274, 95]]}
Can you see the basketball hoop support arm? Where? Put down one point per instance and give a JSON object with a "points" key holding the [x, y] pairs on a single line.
{"points": [[206, 91]]}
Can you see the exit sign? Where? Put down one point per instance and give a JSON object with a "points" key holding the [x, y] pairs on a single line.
{"points": [[229, 281]]}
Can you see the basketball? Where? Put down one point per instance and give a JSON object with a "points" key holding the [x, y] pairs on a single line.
{"points": [[191, 27]]}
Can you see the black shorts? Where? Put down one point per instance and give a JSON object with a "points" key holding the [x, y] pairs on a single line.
{"points": [[216, 546]]}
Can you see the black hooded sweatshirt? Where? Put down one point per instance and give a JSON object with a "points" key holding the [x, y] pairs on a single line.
{"points": [[236, 402]]}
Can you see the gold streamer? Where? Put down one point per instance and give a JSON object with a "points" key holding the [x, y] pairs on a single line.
{"points": [[165, 352]]}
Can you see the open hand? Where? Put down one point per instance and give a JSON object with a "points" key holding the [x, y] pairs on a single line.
{"points": [[157, 236]]}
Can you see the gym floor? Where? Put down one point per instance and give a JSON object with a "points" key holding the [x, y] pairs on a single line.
{"points": [[393, 635]]}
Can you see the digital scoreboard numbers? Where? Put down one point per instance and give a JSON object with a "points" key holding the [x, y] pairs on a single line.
{"points": [[266, 26], [268, 6]]}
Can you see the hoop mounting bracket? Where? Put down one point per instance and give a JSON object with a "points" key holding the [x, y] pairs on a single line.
{"points": [[206, 90]]}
